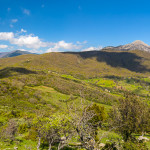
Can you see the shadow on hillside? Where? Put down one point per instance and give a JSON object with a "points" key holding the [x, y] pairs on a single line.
{"points": [[126, 60], [10, 71]]}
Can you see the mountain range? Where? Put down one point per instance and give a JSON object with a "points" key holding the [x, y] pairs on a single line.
{"points": [[136, 45]]}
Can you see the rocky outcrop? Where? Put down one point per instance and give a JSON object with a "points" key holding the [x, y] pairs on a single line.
{"points": [[136, 45]]}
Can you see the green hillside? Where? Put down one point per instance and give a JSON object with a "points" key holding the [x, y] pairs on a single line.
{"points": [[86, 64], [67, 84]]}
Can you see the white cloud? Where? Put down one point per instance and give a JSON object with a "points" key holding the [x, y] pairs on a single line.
{"points": [[14, 20], [6, 35], [3, 46], [29, 41], [35, 51], [31, 51], [22, 30], [34, 43], [26, 11], [93, 48], [84, 42], [11, 48], [21, 49], [62, 45]]}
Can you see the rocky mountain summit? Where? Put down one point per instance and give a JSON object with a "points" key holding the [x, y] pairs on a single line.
{"points": [[136, 45]]}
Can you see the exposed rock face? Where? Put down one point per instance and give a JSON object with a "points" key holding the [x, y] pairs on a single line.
{"points": [[136, 45]]}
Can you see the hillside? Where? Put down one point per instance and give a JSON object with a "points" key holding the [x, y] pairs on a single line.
{"points": [[85, 64], [49, 84]]}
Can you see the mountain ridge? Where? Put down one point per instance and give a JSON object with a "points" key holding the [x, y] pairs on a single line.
{"points": [[85, 64], [13, 53], [136, 45]]}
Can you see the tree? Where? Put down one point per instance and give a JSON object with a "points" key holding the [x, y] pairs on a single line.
{"points": [[100, 115], [131, 115], [82, 126], [39, 123], [57, 129], [10, 130], [52, 129], [85, 121]]}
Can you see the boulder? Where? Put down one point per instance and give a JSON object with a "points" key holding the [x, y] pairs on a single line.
{"points": [[142, 138]]}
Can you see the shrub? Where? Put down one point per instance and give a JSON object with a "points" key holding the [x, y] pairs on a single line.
{"points": [[22, 128], [134, 146]]}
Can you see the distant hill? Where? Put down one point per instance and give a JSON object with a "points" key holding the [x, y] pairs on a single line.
{"points": [[136, 45], [3, 54], [85, 64], [13, 53]]}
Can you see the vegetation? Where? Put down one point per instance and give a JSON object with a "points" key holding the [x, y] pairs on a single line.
{"points": [[130, 116], [89, 100]]}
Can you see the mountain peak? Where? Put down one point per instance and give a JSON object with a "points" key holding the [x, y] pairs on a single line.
{"points": [[138, 42], [136, 45]]}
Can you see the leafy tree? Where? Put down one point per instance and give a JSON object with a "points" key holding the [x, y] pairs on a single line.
{"points": [[85, 120], [39, 123], [131, 115], [52, 129], [100, 114], [10, 130], [97, 120]]}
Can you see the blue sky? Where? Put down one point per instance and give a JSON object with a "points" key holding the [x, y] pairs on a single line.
{"points": [[72, 25]]}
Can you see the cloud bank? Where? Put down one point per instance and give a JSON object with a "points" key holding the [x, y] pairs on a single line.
{"points": [[62, 45], [23, 40], [3, 46], [92, 48], [28, 41]]}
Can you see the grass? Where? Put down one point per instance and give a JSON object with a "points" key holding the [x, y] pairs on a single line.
{"points": [[102, 82], [23, 145], [148, 136], [58, 100], [147, 80], [44, 89], [107, 136], [137, 88], [52, 97], [70, 77]]}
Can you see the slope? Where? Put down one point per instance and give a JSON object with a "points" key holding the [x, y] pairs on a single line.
{"points": [[85, 64]]}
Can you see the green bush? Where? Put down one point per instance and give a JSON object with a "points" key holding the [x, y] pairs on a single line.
{"points": [[32, 134], [134, 146], [22, 128]]}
